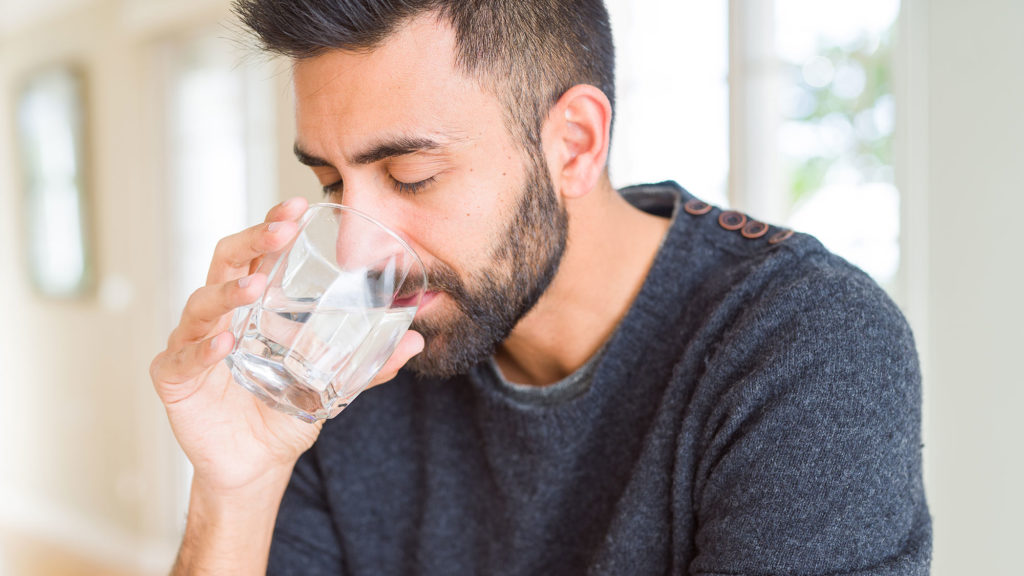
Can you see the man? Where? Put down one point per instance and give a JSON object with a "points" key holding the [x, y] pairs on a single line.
{"points": [[597, 382]]}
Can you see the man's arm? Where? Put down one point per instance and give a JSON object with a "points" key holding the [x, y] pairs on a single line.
{"points": [[242, 451], [230, 533], [811, 458]]}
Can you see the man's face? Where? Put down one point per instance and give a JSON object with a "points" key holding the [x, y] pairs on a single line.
{"points": [[401, 135]]}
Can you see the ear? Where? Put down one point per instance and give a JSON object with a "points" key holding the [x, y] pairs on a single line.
{"points": [[576, 139]]}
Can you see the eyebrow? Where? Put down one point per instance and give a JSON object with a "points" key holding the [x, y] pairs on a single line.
{"points": [[382, 151]]}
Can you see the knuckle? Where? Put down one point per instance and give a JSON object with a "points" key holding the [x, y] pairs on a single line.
{"points": [[222, 246], [228, 292], [192, 301], [258, 238], [154, 367], [198, 309], [233, 295], [187, 357], [227, 250], [174, 338]]}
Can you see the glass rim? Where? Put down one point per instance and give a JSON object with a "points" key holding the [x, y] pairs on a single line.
{"points": [[317, 206]]}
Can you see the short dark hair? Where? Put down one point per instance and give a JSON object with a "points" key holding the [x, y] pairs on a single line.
{"points": [[528, 52]]}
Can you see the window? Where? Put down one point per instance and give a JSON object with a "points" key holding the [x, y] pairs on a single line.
{"points": [[835, 138], [781, 108], [672, 117]]}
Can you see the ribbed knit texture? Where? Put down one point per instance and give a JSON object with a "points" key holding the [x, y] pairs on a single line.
{"points": [[757, 411]]}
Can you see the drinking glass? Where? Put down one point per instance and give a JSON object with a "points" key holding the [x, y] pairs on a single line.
{"points": [[338, 299]]}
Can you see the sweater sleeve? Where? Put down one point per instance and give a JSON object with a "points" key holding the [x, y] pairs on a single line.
{"points": [[304, 541], [811, 460]]}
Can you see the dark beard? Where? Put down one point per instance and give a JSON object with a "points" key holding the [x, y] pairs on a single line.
{"points": [[489, 305]]}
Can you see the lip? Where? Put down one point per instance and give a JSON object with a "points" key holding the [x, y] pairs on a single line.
{"points": [[405, 302], [425, 301]]}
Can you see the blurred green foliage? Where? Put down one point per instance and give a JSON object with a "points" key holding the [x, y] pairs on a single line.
{"points": [[867, 150]]}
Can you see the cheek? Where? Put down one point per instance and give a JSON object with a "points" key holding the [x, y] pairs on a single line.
{"points": [[460, 221], [454, 240], [463, 235]]}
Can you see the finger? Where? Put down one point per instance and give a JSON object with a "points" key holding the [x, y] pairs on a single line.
{"points": [[208, 307], [290, 209], [234, 254], [171, 369], [410, 345]]}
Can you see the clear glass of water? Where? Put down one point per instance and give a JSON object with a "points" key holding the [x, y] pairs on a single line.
{"points": [[339, 297]]}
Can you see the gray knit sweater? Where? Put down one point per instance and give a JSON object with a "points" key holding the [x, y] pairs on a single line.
{"points": [[757, 411]]}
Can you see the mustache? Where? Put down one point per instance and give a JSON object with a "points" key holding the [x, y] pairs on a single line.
{"points": [[440, 278]]}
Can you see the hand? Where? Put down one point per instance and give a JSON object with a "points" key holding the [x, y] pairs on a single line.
{"points": [[232, 438]]}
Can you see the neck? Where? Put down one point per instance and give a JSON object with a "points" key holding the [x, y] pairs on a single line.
{"points": [[610, 249]]}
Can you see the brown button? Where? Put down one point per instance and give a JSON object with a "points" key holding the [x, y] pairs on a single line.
{"points": [[754, 229], [780, 236], [732, 220], [696, 207]]}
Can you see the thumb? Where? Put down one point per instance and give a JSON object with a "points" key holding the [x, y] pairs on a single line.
{"points": [[411, 344]]}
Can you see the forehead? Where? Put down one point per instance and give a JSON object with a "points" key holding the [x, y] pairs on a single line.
{"points": [[408, 85]]}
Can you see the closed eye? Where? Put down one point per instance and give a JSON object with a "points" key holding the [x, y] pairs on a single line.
{"points": [[411, 188], [333, 188]]}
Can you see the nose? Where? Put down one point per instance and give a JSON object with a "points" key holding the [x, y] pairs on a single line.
{"points": [[370, 196], [367, 242], [374, 197], [361, 239]]}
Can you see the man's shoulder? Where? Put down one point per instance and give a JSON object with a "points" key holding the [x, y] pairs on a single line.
{"points": [[751, 298], [793, 324], [709, 239], [721, 250], [798, 304]]}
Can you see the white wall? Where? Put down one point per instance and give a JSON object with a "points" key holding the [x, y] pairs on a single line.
{"points": [[86, 454], [974, 386], [85, 461]]}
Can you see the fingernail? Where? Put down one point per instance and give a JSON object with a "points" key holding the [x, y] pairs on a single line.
{"points": [[244, 282], [289, 203], [215, 341], [274, 226]]}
